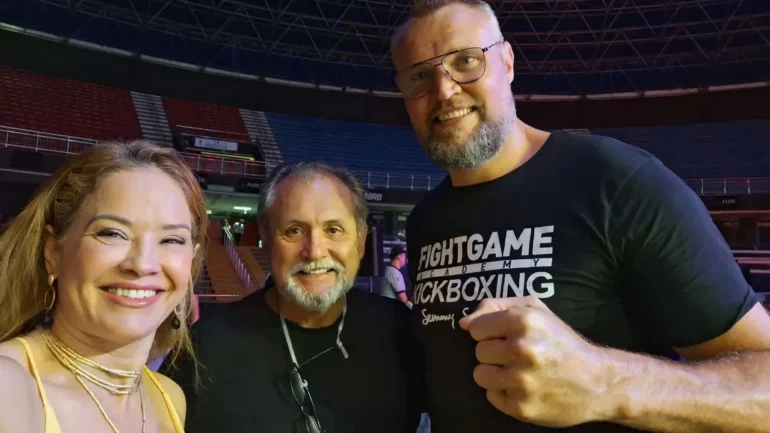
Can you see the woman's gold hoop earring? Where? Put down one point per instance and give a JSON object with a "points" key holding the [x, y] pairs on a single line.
{"points": [[48, 318]]}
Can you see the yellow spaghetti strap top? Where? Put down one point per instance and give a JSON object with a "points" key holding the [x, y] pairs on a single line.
{"points": [[52, 424], [178, 427]]}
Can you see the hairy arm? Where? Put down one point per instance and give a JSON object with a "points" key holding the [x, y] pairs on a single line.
{"points": [[688, 293], [729, 392]]}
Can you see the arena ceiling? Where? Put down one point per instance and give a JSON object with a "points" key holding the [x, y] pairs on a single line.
{"points": [[576, 47]]}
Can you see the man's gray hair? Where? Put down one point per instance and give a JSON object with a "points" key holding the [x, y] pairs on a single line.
{"points": [[308, 170]]}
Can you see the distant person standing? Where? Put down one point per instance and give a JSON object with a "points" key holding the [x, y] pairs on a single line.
{"points": [[407, 280], [392, 285], [238, 232], [225, 228]]}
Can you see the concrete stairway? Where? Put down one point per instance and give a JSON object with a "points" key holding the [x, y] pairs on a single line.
{"points": [[152, 118], [203, 286], [224, 280], [256, 269], [260, 132], [260, 254]]}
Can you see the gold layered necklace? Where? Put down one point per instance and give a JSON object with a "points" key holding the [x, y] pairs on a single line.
{"points": [[72, 361]]}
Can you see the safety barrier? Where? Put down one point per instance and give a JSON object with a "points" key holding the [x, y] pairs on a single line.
{"points": [[54, 143], [730, 186]]}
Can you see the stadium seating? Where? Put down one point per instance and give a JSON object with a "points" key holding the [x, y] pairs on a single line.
{"points": [[359, 146], [738, 149], [735, 149], [73, 108], [757, 264], [68, 107], [201, 119]]}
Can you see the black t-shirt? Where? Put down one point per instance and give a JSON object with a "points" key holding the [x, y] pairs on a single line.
{"points": [[245, 362], [610, 240]]}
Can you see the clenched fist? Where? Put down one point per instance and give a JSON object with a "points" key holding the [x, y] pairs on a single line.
{"points": [[535, 367]]}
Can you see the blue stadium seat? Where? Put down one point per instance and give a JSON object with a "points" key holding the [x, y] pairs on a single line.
{"points": [[358, 146], [719, 150]]}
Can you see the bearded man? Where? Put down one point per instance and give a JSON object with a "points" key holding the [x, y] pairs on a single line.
{"points": [[589, 287], [307, 354]]}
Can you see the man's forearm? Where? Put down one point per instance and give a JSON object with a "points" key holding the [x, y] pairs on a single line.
{"points": [[731, 394]]}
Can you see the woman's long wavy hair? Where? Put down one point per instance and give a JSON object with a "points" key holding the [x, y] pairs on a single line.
{"points": [[23, 275]]}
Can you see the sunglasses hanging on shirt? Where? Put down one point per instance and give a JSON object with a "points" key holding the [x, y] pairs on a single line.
{"points": [[299, 386]]}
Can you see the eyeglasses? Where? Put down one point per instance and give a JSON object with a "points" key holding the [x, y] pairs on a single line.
{"points": [[462, 66], [299, 388], [301, 394]]}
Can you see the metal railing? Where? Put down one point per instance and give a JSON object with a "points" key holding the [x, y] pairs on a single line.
{"points": [[215, 298], [43, 141], [62, 144], [260, 170], [730, 186], [240, 268]]}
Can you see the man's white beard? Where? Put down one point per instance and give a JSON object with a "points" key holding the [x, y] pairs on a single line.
{"points": [[317, 302]]}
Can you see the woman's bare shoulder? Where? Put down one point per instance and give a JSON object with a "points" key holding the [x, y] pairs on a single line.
{"points": [[22, 409], [176, 394], [14, 350]]}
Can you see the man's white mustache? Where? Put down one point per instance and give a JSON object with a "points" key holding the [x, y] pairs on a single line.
{"points": [[328, 264]]}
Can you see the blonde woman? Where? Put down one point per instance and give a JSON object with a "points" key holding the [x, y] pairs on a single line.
{"points": [[96, 277]]}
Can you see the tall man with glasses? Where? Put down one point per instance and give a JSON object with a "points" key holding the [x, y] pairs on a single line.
{"points": [[562, 280], [307, 354]]}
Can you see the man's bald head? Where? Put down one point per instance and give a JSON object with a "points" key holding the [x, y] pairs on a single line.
{"points": [[424, 8]]}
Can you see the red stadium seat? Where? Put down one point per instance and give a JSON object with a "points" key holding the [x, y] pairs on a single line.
{"points": [[67, 107]]}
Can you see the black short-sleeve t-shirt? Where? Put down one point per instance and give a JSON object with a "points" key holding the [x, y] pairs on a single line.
{"points": [[243, 384], [610, 240]]}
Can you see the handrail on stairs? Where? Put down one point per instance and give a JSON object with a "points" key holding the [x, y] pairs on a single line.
{"points": [[240, 268]]}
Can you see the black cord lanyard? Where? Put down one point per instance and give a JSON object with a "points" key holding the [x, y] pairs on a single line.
{"points": [[291, 347]]}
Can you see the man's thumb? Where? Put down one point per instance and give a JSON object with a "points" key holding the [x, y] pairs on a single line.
{"points": [[489, 305]]}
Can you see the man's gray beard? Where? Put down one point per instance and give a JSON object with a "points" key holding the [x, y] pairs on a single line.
{"points": [[478, 148], [317, 302]]}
